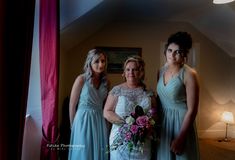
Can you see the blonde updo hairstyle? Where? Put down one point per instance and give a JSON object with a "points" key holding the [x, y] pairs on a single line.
{"points": [[140, 65]]}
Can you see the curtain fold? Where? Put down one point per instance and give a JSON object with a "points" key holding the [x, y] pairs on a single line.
{"points": [[16, 32], [49, 69]]}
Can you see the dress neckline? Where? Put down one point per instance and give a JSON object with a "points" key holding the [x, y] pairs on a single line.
{"points": [[98, 88], [172, 78], [124, 86]]}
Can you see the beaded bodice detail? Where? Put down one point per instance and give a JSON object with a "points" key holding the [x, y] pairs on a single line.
{"points": [[128, 98]]}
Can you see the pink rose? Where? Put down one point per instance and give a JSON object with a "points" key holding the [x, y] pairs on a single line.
{"points": [[134, 129], [142, 120]]}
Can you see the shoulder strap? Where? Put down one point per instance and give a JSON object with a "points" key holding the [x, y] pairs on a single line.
{"points": [[181, 74], [162, 70]]}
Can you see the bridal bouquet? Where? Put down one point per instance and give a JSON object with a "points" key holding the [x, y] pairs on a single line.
{"points": [[138, 127]]}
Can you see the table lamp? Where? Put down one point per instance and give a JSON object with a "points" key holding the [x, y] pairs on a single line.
{"points": [[227, 118]]}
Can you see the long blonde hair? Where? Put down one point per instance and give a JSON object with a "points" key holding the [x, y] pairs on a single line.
{"points": [[93, 55]]}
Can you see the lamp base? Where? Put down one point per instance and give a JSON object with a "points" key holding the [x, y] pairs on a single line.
{"points": [[224, 140]]}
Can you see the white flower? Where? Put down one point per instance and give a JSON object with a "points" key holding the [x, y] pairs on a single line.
{"points": [[130, 120]]}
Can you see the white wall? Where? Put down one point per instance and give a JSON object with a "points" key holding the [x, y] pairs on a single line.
{"points": [[73, 9], [33, 122]]}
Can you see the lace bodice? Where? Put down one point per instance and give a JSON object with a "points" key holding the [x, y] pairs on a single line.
{"points": [[129, 98]]}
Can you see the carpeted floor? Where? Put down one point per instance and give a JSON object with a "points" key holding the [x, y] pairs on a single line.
{"points": [[214, 150]]}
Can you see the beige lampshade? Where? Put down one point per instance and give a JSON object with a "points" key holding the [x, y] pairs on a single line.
{"points": [[222, 1], [227, 117]]}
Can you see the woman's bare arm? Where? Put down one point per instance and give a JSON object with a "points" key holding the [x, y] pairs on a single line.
{"points": [[109, 110], [74, 97], [192, 92]]}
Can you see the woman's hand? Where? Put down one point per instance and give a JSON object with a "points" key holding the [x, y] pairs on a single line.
{"points": [[119, 120], [177, 146]]}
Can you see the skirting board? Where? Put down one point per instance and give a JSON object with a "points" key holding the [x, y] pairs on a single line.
{"points": [[215, 134]]}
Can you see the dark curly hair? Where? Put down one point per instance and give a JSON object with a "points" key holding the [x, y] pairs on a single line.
{"points": [[183, 40]]}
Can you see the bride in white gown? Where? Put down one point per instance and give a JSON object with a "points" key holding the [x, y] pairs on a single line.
{"points": [[121, 102]]}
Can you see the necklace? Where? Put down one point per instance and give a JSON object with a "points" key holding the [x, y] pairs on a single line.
{"points": [[131, 86], [171, 73]]}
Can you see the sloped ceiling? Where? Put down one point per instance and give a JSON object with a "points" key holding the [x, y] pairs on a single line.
{"points": [[217, 22]]}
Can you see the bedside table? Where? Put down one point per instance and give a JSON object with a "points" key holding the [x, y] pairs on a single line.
{"points": [[212, 149], [229, 145]]}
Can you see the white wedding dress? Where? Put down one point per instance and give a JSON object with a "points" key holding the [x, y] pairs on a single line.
{"points": [[127, 100]]}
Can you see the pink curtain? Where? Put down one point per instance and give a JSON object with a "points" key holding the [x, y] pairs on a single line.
{"points": [[49, 66]]}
